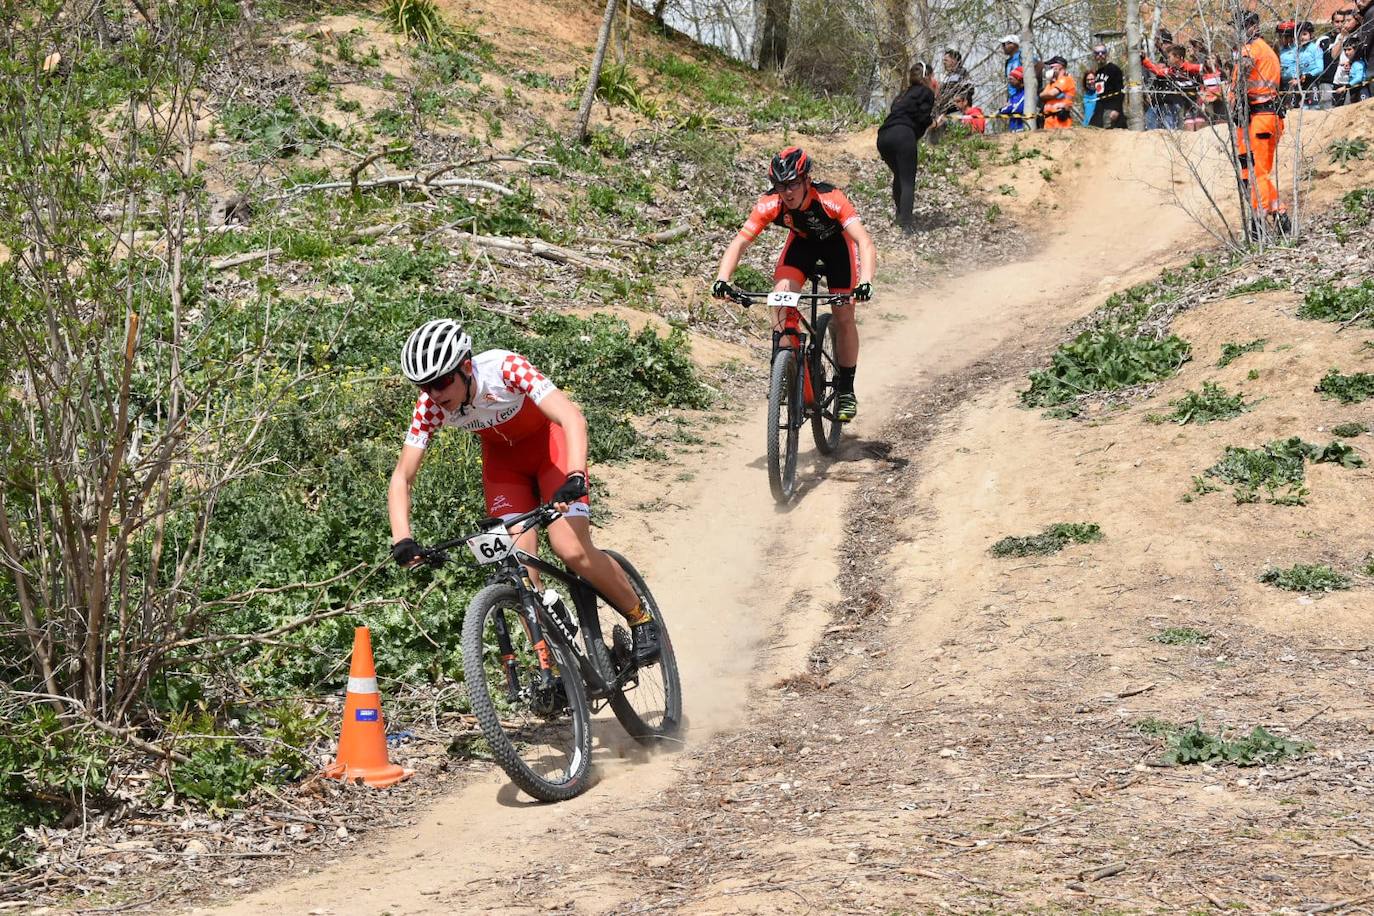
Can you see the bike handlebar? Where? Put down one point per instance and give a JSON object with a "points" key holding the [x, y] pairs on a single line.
{"points": [[538, 517], [748, 299]]}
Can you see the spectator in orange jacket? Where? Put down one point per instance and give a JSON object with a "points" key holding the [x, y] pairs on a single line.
{"points": [[1255, 82], [1058, 94]]}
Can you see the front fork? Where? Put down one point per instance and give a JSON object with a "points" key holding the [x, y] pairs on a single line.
{"points": [[530, 615], [791, 337]]}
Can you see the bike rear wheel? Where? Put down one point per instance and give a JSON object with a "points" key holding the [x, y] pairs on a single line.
{"points": [[649, 701], [540, 734], [784, 424], [825, 426]]}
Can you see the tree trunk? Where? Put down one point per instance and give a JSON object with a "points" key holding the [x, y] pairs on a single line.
{"points": [[774, 21], [1026, 15], [1135, 74], [584, 113]]}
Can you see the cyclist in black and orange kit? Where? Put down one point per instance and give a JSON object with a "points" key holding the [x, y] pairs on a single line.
{"points": [[823, 229], [534, 449]]}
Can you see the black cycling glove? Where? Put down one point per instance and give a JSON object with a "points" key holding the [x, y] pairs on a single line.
{"points": [[863, 292], [573, 489], [405, 551], [722, 290]]}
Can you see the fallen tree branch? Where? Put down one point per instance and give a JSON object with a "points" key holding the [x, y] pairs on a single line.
{"points": [[536, 247], [245, 258], [391, 181]]}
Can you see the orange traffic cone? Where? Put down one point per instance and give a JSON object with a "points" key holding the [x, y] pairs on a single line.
{"points": [[362, 741]]}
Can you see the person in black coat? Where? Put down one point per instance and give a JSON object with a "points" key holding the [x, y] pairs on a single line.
{"points": [[906, 122]]}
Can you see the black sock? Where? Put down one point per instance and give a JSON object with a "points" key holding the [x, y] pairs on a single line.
{"points": [[844, 379]]}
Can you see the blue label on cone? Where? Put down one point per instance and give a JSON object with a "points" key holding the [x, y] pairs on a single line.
{"points": [[367, 715]]}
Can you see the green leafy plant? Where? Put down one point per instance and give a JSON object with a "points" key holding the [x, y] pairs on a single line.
{"points": [[1052, 540], [1194, 745], [1212, 403], [220, 773], [1347, 149], [1359, 203], [1261, 285], [1349, 430], [1354, 304], [279, 131], [417, 19], [1348, 389], [1104, 359], [1304, 577], [1278, 468], [1181, 636], [1230, 352]]}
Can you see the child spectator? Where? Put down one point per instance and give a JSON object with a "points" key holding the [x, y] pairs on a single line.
{"points": [[970, 115], [1015, 109]]}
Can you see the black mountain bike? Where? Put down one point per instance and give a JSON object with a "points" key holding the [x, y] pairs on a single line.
{"points": [[532, 690], [802, 386]]}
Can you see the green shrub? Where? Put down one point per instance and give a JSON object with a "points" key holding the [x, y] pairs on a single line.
{"points": [[1328, 303], [1230, 352], [1052, 540], [1348, 389], [1304, 577], [278, 131], [1193, 745], [417, 19], [221, 773], [1349, 430], [1104, 359], [1278, 468], [1212, 403]]}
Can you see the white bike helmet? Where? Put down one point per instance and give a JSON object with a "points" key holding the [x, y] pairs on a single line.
{"points": [[434, 349]]}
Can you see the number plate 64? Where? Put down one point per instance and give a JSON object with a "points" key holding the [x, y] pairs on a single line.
{"points": [[491, 546]]}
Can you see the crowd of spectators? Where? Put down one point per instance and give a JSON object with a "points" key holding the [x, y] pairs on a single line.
{"points": [[1186, 81]]}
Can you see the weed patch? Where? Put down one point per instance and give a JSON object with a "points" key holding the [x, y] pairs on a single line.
{"points": [[1346, 304], [1104, 360], [1052, 540], [1230, 352], [1278, 468], [1261, 285], [1212, 403], [1304, 577], [1194, 745], [1348, 389], [1181, 636], [1349, 430]]}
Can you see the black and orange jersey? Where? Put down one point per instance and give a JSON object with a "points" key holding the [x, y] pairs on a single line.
{"points": [[824, 213]]}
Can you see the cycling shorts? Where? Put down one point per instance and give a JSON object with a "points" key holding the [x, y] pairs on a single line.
{"points": [[519, 476], [837, 257]]}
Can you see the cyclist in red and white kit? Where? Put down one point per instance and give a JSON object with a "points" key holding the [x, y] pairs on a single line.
{"points": [[534, 450], [824, 230]]}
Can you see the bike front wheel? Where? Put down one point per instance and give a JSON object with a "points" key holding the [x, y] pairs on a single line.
{"points": [[825, 425], [783, 425], [537, 721]]}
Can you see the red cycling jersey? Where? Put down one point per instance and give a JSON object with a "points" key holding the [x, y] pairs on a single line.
{"points": [[824, 213], [524, 455]]}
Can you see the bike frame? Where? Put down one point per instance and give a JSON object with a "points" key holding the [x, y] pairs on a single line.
{"points": [[515, 570], [799, 333]]}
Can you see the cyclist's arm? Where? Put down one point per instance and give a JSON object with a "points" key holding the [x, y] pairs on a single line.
{"points": [[868, 254], [560, 409], [398, 492], [730, 260]]}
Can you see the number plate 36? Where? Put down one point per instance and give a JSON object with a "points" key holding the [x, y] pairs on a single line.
{"points": [[491, 546]]}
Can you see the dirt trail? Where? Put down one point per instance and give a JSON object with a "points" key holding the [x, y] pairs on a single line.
{"points": [[748, 588]]}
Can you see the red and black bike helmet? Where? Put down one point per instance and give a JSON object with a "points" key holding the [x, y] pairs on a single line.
{"points": [[790, 164]]}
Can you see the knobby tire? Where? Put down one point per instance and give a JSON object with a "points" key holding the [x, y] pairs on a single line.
{"points": [[649, 708], [507, 740], [825, 425], [783, 430]]}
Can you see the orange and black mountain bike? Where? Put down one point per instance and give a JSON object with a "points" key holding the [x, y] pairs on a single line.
{"points": [[802, 384]]}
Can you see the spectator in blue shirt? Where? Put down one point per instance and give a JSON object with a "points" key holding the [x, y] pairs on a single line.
{"points": [[1015, 109], [1011, 46]]}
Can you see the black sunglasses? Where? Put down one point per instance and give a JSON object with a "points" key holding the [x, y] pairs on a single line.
{"points": [[788, 185], [440, 383]]}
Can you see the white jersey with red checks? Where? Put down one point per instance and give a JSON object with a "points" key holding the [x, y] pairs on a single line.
{"points": [[506, 391]]}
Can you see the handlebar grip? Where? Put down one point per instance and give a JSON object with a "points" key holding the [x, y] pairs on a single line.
{"points": [[434, 557]]}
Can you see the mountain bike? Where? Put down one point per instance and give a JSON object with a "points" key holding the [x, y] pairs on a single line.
{"points": [[798, 393], [533, 692]]}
